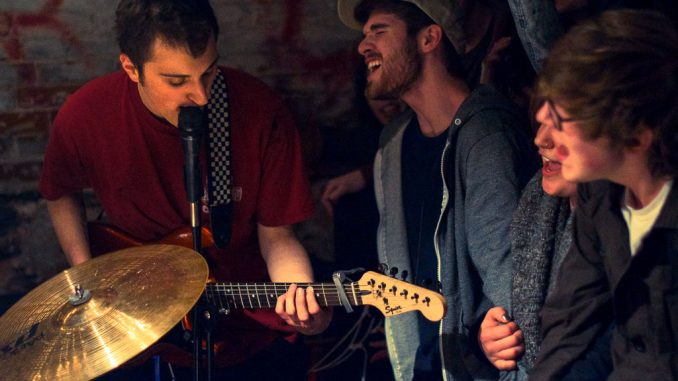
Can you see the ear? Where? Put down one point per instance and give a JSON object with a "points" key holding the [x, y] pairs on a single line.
{"points": [[643, 140], [129, 67], [430, 38]]}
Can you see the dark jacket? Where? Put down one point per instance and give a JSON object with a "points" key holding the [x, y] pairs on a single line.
{"points": [[600, 281]]}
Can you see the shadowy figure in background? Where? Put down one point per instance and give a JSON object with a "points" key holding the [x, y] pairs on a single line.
{"points": [[361, 178], [493, 54], [349, 198], [358, 339], [540, 23]]}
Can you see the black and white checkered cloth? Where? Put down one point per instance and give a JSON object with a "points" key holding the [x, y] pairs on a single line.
{"points": [[219, 148]]}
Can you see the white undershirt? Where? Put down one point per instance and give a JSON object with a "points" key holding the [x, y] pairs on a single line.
{"points": [[640, 221]]}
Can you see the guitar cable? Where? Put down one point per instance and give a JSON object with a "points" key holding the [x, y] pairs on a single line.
{"points": [[171, 371], [356, 342]]}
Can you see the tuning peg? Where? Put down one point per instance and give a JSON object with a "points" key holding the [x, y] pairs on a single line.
{"points": [[393, 271], [403, 275], [383, 268]]}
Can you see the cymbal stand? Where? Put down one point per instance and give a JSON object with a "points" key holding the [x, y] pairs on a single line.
{"points": [[191, 134], [192, 123]]}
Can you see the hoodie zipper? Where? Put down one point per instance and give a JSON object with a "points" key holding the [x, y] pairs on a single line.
{"points": [[436, 246]]}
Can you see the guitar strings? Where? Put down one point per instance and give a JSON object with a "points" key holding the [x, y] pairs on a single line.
{"points": [[249, 295], [230, 291]]}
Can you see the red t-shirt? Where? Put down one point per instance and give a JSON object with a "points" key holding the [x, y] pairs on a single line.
{"points": [[105, 138]]}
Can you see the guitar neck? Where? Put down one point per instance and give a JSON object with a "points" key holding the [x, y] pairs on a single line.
{"points": [[265, 295]]}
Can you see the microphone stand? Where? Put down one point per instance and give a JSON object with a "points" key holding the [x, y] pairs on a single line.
{"points": [[192, 121]]}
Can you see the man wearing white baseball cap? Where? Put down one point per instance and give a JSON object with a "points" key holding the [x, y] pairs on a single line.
{"points": [[447, 178]]}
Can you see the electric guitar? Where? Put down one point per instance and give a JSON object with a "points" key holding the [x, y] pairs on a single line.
{"points": [[389, 295]]}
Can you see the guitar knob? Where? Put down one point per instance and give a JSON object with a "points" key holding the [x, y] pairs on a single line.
{"points": [[394, 271], [404, 275]]}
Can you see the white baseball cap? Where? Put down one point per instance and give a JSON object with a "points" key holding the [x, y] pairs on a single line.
{"points": [[446, 13]]}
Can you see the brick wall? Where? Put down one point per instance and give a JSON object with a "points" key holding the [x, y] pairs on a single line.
{"points": [[48, 48]]}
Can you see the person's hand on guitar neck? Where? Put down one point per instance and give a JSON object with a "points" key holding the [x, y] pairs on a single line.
{"points": [[300, 309], [287, 261]]}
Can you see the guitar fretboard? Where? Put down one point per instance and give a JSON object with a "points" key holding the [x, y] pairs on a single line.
{"points": [[265, 295]]}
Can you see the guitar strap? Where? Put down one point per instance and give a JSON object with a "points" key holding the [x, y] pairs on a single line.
{"points": [[219, 175]]}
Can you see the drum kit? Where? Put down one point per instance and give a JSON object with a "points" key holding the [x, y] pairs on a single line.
{"points": [[92, 318]]}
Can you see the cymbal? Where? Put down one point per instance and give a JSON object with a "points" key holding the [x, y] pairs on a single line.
{"points": [[126, 300]]}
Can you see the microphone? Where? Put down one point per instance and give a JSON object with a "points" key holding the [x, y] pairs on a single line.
{"points": [[192, 121]]}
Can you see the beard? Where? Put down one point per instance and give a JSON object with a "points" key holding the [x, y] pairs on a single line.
{"points": [[397, 74]]}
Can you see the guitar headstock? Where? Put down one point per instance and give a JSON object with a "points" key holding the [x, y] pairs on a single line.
{"points": [[393, 297]]}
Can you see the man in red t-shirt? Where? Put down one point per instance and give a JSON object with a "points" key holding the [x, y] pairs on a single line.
{"points": [[118, 135]]}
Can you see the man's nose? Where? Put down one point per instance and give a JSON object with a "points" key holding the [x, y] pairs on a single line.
{"points": [[198, 94], [364, 47]]}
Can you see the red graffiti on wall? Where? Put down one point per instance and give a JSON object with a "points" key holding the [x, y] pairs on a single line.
{"points": [[333, 69], [12, 24], [291, 46]]}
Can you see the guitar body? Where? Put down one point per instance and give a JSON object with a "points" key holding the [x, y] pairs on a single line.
{"points": [[104, 238]]}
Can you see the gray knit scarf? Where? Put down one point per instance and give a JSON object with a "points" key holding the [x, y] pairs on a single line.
{"points": [[541, 236]]}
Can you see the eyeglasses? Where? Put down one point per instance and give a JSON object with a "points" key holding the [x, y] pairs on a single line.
{"points": [[557, 119]]}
